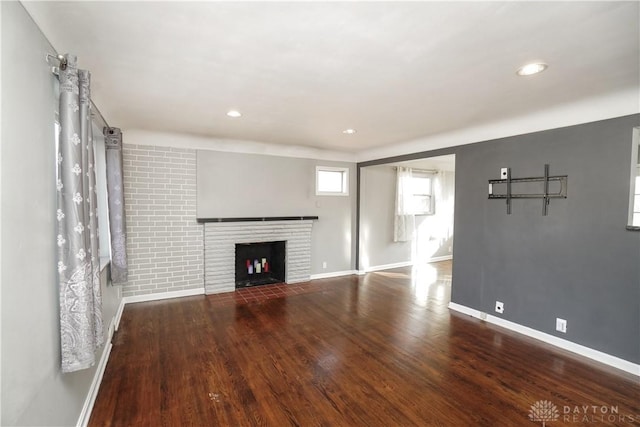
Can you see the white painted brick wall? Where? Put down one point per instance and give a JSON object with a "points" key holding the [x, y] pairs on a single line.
{"points": [[221, 237], [164, 241]]}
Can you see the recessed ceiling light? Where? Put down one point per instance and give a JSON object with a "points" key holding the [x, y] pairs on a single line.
{"points": [[533, 68], [234, 113], [349, 131]]}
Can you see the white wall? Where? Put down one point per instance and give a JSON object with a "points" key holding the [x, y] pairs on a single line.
{"points": [[377, 204], [34, 391], [255, 185]]}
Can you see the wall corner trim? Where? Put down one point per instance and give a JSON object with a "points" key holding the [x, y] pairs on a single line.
{"points": [[163, 295], [581, 350], [90, 400], [333, 274], [118, 315]]}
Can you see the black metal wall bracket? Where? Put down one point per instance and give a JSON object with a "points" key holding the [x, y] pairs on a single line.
{"points": [[545, 195]]}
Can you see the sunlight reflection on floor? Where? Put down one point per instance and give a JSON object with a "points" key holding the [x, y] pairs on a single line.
{"points": [[427, 281], [393, 275], [426, 285]]}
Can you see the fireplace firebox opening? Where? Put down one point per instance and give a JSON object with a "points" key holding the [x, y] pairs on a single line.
{"points": [[260, 263]]}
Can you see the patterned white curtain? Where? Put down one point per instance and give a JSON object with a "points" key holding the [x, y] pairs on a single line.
{"points": [[404, 222], [81, 329], [115, 190]]}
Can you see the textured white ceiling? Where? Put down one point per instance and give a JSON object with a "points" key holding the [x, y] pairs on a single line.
{"points": [[301, 72]]}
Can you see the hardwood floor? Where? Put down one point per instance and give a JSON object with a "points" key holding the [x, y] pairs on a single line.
{"points": [[374, 350]]}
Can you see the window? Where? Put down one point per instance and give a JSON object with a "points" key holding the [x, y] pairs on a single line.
{"points": [[101, 188], [422, 200], [332, 181], [635, 220]]}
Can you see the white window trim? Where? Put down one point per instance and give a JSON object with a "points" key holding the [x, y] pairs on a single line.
{"points": [[345, 181], [634, 198], [431, 175], [635, 171], [104, 234]]}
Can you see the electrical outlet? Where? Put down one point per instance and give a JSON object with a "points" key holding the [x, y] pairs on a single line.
{"points": [[324, 264], [503, 173], [561, 325], [499, 307]]}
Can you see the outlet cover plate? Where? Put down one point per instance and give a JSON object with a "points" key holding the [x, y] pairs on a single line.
{"points": [[561, 325], [499, 307]]}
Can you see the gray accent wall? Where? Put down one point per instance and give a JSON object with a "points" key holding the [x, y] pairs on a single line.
{"points": [[254, 185], [34, 391], [578, 263]]}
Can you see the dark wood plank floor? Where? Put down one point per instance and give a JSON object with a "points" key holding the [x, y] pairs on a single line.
{"points": [[376, 350]]}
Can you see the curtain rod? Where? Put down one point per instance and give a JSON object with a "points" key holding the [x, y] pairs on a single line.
{"points": [[419, 170], [62, 64], [99, 114], [62, 61]]}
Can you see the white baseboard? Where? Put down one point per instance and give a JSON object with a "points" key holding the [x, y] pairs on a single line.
{"points": [[403, 264], [596, 355], [468, 311], [90, 400], [333, 274], [388, 266], [164, 295], [119, 313], [440, 258]]}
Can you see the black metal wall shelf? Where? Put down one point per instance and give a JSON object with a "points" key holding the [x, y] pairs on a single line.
{"points": [[544, 195]]}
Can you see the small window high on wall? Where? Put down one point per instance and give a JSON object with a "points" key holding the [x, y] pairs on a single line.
{"points": [[332, 181]]}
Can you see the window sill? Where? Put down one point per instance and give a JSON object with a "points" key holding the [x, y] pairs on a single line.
{"points": [[633, 227], [326, 193]]}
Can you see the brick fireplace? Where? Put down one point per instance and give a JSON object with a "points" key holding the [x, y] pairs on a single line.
{"points": [[221, 235]]}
